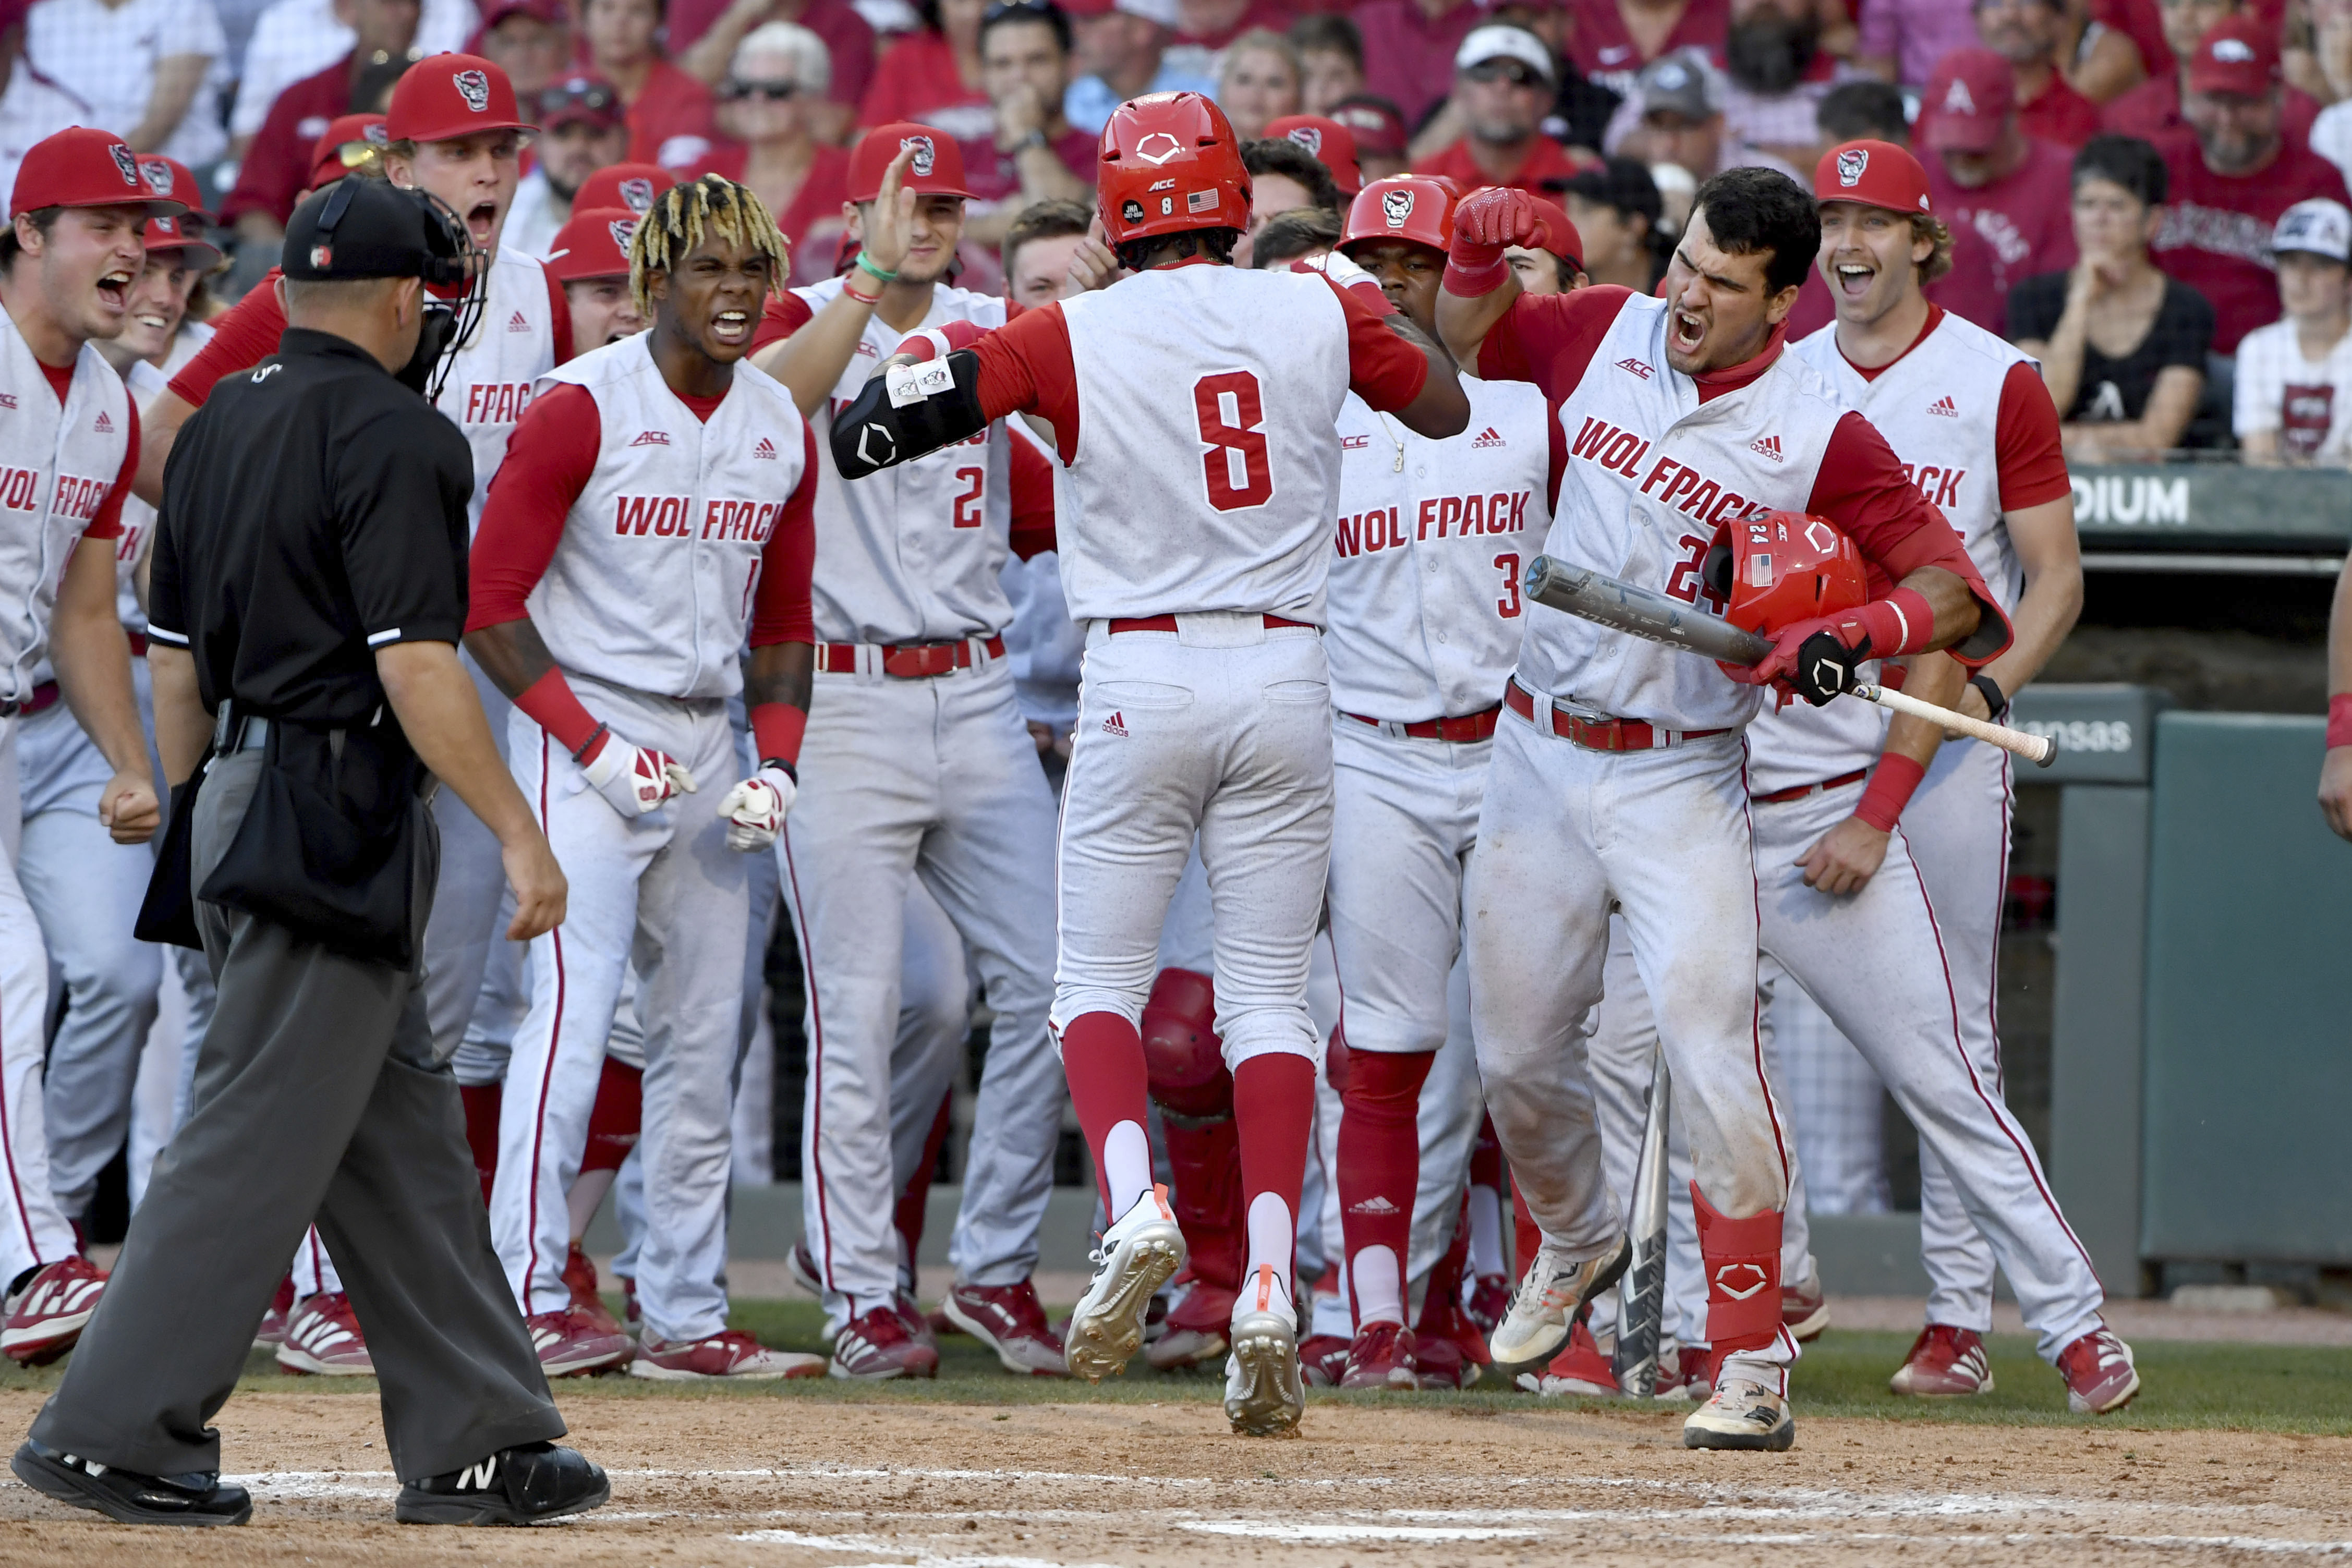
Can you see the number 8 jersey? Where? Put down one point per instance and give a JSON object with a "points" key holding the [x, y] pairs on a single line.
{"points": [[1195, 407]]}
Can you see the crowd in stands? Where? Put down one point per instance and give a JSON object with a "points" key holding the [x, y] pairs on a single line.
{"points": [[2148, 195]]}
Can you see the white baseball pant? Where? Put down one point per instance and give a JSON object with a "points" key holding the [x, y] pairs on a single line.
{"points": [[33, 1230], [661, 891], [933, 779]]}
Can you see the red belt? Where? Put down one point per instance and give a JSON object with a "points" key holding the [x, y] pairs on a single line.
{"points": [[1608, 735], [1799, 791], [908, 661], [1168, 623], [1479, 726], [45, 696]]}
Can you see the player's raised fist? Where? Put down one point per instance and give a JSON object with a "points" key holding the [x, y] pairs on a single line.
{"points": [[1502, 215], [636, 779], [755, 809]]}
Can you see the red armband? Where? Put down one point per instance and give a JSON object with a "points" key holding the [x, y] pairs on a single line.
{"points": [[1472, 270], [1889, 790], [938, 342], [776, 730], [1899, 624], [2340, 720], [556, 708]]}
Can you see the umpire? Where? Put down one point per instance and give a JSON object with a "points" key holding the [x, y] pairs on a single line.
{"points": [[308, 592]]}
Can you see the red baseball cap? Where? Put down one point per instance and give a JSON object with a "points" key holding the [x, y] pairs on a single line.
{"points": [[634, 186], [937, 169], [1332, 144], [444, 97], [328, 163], [584, 95], [1875, 173], [2236, 55], [80, 167], [1566, 243], [184, 234], [1376, 124], [1968, 102], [170, 178], [594, 244], [496, 11]]}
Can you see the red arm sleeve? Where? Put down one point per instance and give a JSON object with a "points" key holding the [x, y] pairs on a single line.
{"points": [[549, 460], [559, 307], [108, 523], [1025, 367], [245, 336], [784, 314], [780, 606], [1383, 369], [2033, 462], [1550, 338], [1033, 498]]}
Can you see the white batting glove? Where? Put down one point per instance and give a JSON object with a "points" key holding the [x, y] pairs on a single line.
{"points": [[755, 809], [636, 779], [1343, 270]]}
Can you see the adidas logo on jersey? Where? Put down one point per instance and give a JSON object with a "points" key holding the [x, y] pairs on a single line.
{"points": [[7, 399], [651, 438], [1116, 725], [1375, 1203], [1636, 366], [1766, 446], [1489, 436], [765, 451], [516, 323], [1944, 406], [105, 425]]}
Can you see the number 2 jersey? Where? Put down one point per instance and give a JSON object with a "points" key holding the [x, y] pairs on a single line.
{"points": [[1647, 463], [1193, 409]]}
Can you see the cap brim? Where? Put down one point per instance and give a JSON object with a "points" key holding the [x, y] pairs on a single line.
{"points": [[208, 254], [153, 206]]}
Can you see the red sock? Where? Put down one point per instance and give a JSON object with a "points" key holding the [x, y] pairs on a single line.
{"points": [[615, 1117], [1526, 1234], [1102, 1056], [1380, 1154], [481, 1100], [1486, 1157], [914, 1200], [1273, 1112]]}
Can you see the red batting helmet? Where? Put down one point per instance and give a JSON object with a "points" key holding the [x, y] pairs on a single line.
{"points": [[1402, 206], [1783, 568], [1168, 163]]}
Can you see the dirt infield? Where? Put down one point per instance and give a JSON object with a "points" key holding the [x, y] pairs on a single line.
{"points": [[739, 1477]]}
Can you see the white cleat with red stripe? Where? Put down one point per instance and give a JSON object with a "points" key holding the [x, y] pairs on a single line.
{"points": [[41, 1322]]}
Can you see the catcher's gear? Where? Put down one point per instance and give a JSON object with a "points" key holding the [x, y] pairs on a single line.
{"points": [[756, 808], [1413, 207], [636, 779], [1168, 163], [906, 412]]}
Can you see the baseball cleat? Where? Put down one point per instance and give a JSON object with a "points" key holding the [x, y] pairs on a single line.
{"points": [[1945, 1362], [1449, 1351], [2099, 1374], [522, 1485], [272, 1332], [1490, 1298], [1579, 1369], [918, 1322], [730, 1353], [127, 1496], [323, 1339], [1556, 1286], [1191, 1333], [1323, 1360], [1265, 1396], [1381, 1357], [1138, 1254], [877, 1345], [41, 1322], [1741, 1414], [1010, 1321], [1805, 1310], [580, 1278], [570, 1343], [801, 1264], [1682, 1374], [632, 1321]]}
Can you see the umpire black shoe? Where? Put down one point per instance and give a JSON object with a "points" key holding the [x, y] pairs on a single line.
{"points": [[127, 1496], [522, 1485]]}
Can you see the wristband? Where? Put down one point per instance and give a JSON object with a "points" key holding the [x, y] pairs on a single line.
{"points": [[1989, 689], [1900, 623], [1889, 790], [2339, 719], [867, 300], [1472, 269], [551, 703], [874, 272], [776, 730]]}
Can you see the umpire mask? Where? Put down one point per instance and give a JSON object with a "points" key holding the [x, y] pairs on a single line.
{"points": [[450, 257]]}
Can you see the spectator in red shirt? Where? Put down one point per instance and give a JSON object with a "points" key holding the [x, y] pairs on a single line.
{"points": [[1259, 82], [2151, 110], [1034, 154], [1615, 38], [1503, 86], [932, 74], [1409, 47], [2028, 33], [780, 72], [530, 40], [2015, 190], [2232, 181], [703, 35], [665, 105], [276, 169]]}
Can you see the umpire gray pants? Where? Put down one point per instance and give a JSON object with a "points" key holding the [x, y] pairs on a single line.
{"points": [[317, 1093]]}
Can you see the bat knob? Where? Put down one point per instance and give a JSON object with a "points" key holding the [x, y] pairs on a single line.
{"points": [[1539, 572], [2048, 753]]}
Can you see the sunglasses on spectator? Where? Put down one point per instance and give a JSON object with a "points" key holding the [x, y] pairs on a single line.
{"points": [[773, 91], [1515, 72], [593, 96]]}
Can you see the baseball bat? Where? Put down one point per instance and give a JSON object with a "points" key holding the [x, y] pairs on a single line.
{"points": [[1641, 1289], [1646, 613]]}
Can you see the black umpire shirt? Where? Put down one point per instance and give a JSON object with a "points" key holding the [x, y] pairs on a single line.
{"points": [[314, 511]]}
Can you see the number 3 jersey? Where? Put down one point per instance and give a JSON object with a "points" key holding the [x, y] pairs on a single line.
{"points": [[1426, 560], [1193, 409]]}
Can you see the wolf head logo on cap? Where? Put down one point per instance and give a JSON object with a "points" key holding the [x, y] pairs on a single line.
{"points": [[475, 88]]}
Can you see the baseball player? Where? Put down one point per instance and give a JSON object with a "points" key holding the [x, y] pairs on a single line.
{"points": [[1425, 620], [1620, 780], [921, 766], [1194, 407], [69, 263], [590, 257], [632, 543], [1969, 416]]}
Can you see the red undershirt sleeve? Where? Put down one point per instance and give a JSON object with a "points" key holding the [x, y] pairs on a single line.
{"points": [[1026, 367], [108, 523], [549, 462], [780, 606], [1033, 498], [784, 314], [2033, 462], [1383, 369], [245, 336], [1550, 339], [559, 305]]}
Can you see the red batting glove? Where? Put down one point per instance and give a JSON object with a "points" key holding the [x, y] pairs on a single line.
{"points": [[1484, 227], [1819, 658]]}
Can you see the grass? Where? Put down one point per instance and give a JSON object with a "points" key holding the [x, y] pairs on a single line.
{"points": [[2236, 1387]]}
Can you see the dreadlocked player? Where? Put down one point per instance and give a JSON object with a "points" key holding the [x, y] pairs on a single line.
{"points": [[652, 509]]}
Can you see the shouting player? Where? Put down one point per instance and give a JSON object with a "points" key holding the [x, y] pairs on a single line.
{"points": [[1620, 779], [1193, 408]]}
